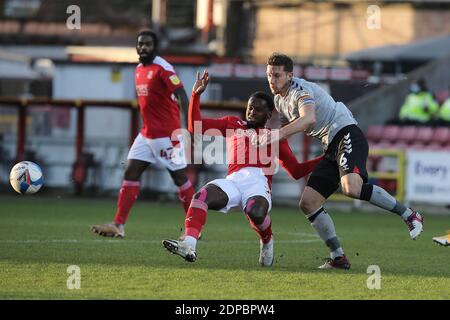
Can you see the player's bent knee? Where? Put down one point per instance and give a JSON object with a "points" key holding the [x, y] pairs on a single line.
{"points": [[256, 209], [351, 185], [134, 170], [304, 206], [131, 175], [179, 177], [352, 191], [308, 206], [257, 214]]}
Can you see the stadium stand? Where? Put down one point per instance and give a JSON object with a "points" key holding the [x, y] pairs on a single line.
{"points": [[417, 145], [374, 133], [408, 137], [424, 134], [390, 133], [441, 136], [407, 134]]}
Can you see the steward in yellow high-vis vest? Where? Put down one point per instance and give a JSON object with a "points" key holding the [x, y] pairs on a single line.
{"points": [[419, 105], [444, 111]]}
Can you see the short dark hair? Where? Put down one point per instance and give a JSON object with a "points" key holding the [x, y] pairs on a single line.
{"points": [[264, 96], [151, 33], [279, 59]]}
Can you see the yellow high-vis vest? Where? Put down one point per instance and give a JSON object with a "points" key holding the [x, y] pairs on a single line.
{"points": [[415, 107]]}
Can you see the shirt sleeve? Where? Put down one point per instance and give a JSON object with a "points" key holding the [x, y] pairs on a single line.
{"points": [[197, 124], [304, 98], [290, 163], [170, 80]]}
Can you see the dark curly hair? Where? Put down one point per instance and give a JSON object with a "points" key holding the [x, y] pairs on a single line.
{"points": [[151, 33], [264, 96]]}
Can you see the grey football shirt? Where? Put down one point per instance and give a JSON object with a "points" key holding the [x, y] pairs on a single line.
{"points": [[331, 116]]}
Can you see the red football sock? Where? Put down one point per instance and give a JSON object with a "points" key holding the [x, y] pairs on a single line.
{"points": [[185, 194], [127, 196], [264, 230], [195, 218]]}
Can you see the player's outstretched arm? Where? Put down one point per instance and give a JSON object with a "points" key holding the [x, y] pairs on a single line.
{"points": [[201, 83], [290, 163], [194, 114]]}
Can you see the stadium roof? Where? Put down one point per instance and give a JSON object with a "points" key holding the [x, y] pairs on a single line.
{"points": [[423, 50]]}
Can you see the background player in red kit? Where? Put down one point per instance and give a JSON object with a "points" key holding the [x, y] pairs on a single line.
{"points": [[248, 182], [160, 93]]}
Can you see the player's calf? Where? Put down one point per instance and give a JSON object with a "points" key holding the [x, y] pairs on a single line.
{"points": [[260, 221], [382, 199]]}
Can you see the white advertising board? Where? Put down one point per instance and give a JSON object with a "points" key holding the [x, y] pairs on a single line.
{"points": [[428, 177]]}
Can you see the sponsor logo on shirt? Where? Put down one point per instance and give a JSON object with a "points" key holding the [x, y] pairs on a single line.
{"points": [[174, 79], [245, 133], [142, 90], [348, 143], [150, 74]]}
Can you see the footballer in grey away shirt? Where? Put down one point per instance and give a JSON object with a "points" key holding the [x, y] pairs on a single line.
{"points": [[331, 116]]}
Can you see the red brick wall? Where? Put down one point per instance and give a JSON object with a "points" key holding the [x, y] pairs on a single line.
{"points": [[322, 30]]}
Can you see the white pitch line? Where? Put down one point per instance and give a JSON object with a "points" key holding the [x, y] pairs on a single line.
{"points": [[301, 234], [64, 241]]}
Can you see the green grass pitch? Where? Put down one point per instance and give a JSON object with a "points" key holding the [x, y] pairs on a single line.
{"points": [[40, 237]]}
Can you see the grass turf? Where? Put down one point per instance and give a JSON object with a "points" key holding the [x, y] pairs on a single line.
{"points": [[41, 236]]}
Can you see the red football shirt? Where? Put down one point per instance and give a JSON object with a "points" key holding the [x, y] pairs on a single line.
{"points": [[155, 86]]}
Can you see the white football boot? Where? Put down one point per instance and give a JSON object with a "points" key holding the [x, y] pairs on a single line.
{"points": [[109, 230], [444, 240], [337, 263], [180, 248], [415, 225], [266, 253]]}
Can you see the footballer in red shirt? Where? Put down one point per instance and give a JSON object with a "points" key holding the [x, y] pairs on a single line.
{"points": [[250, 171], [161, 95]]}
